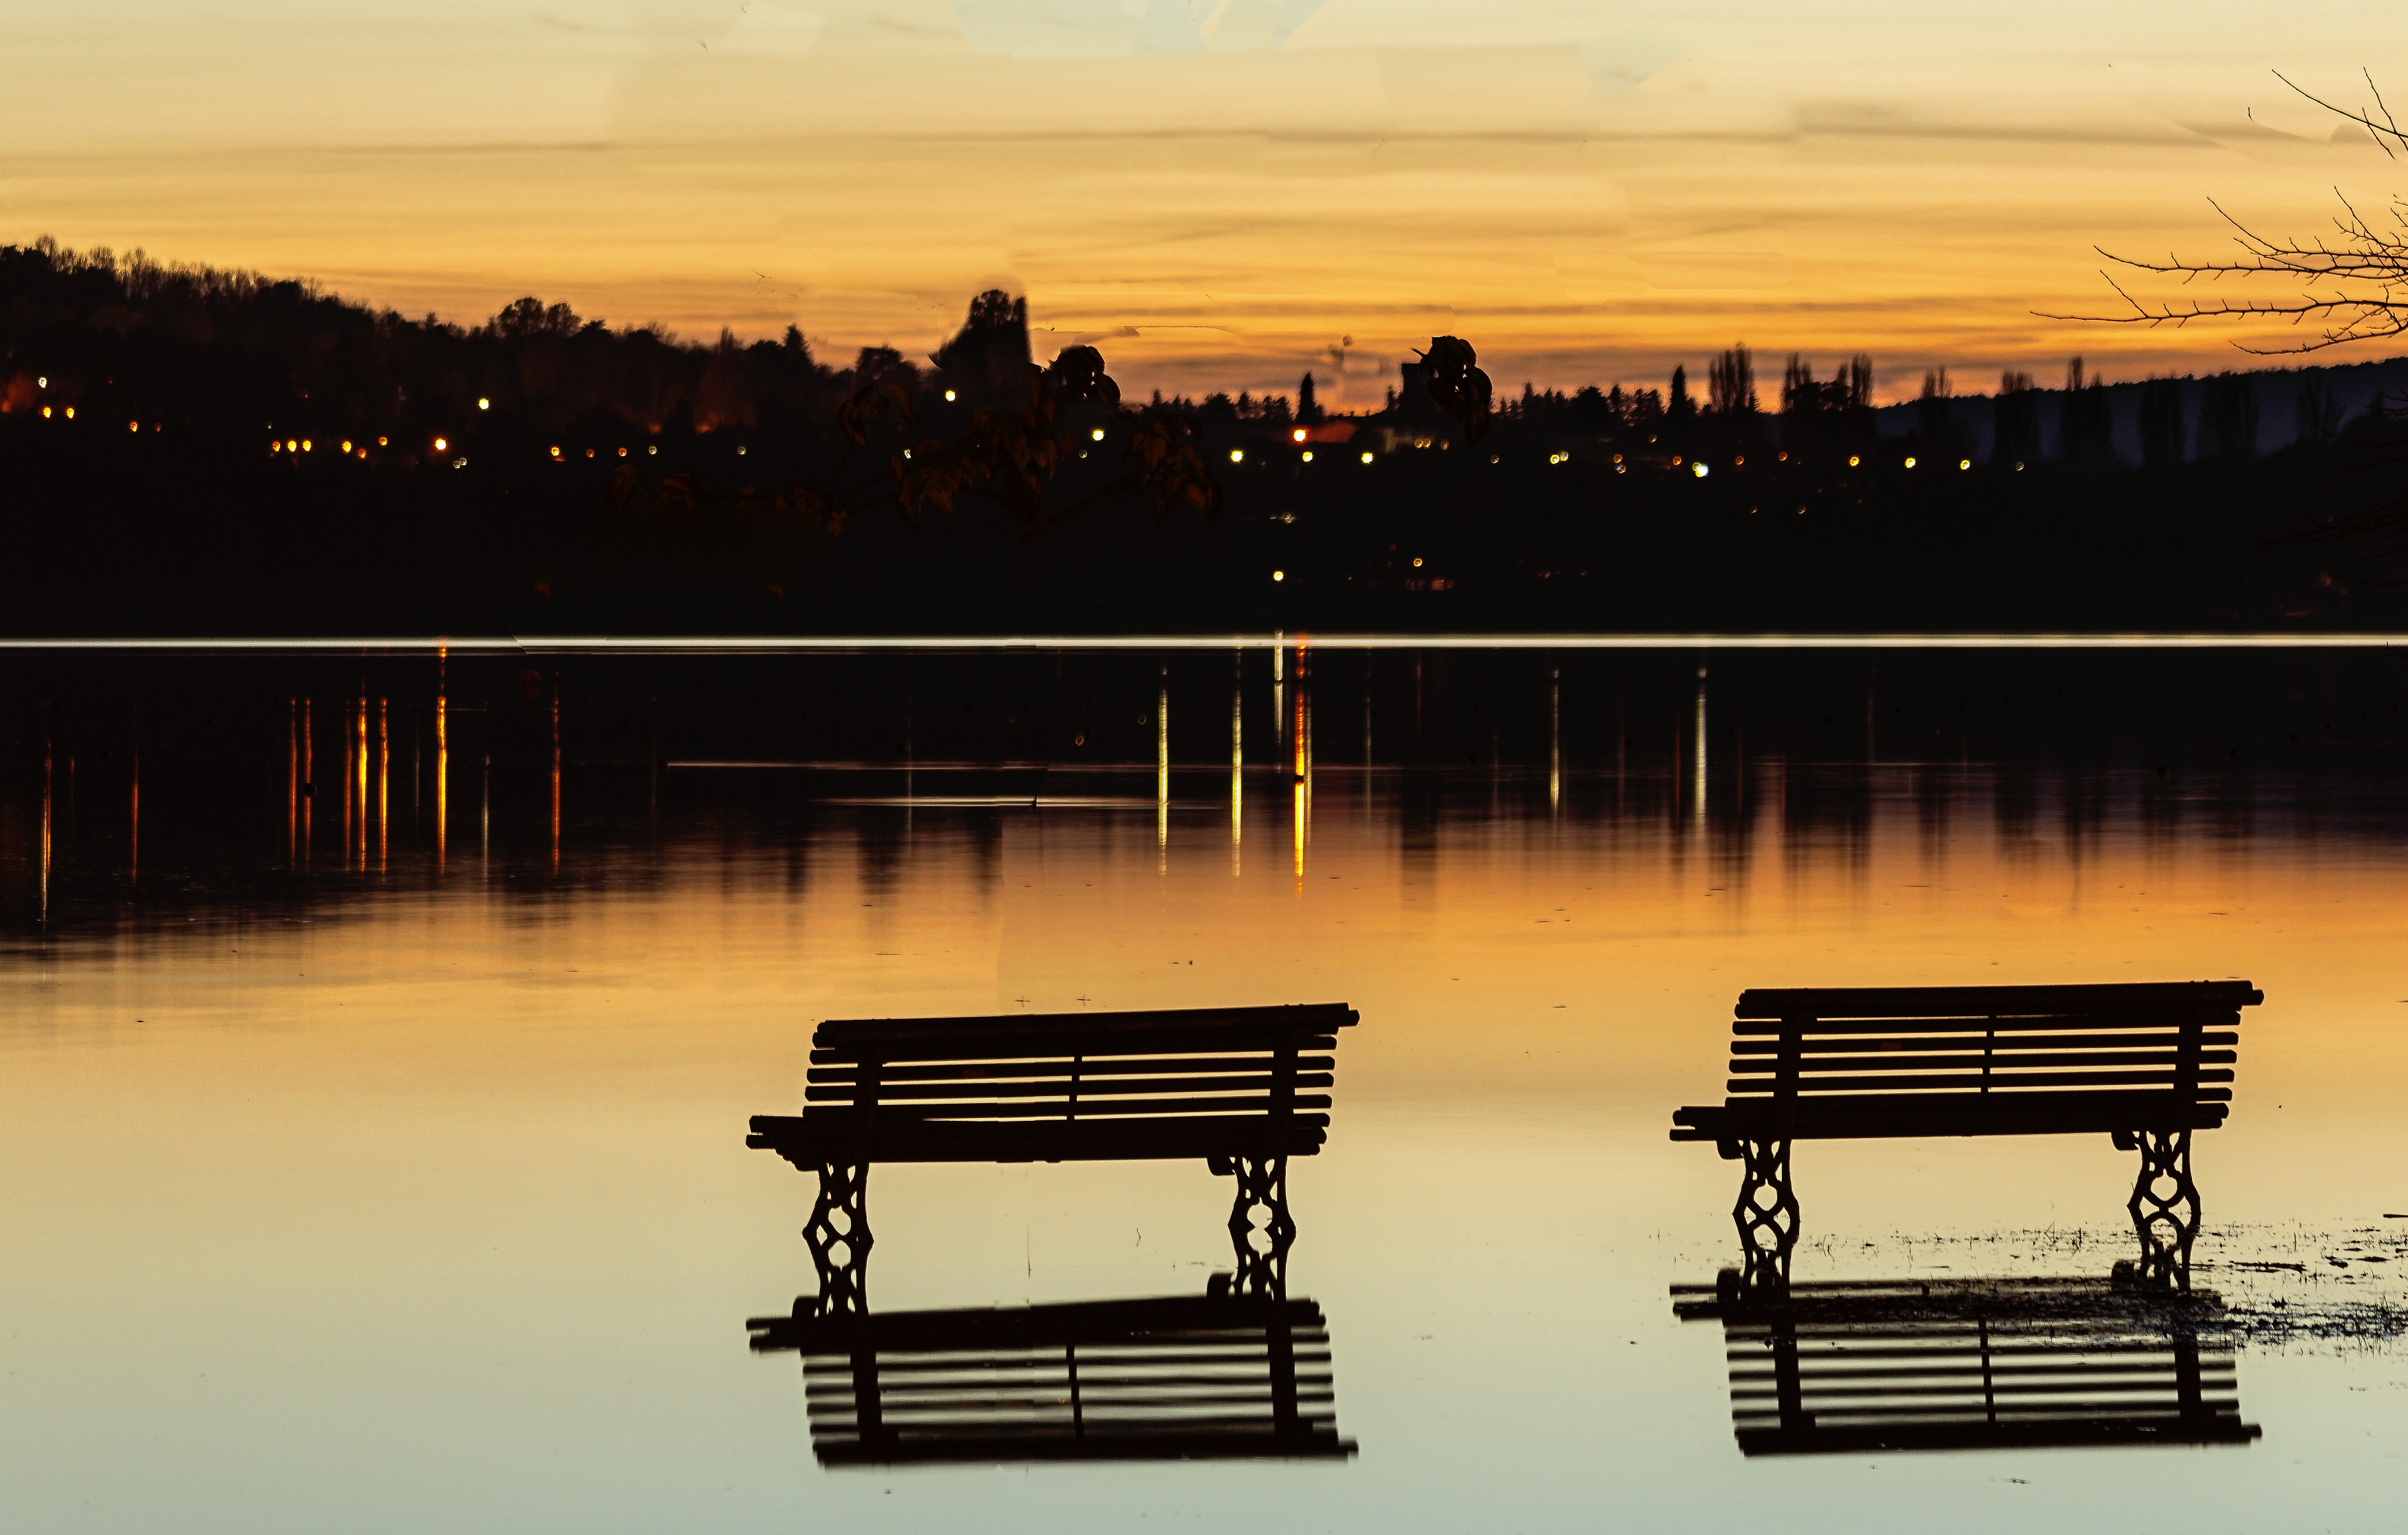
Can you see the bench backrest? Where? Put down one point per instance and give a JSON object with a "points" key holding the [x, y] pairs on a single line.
{"points": [[1110, 1072], [2176, 1038], [1845, 1368], [1177, 1378]]}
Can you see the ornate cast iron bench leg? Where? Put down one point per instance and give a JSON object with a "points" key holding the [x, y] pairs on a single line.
{"points": [[1261, 1250], [1766, 1214], [839, 1234], [2164, 1205]]}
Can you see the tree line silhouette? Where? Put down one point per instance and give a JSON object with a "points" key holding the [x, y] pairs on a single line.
{"points": [[303, 453]]}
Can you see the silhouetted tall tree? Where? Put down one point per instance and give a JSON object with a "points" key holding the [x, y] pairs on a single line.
{"points": [[2228, 417], [1730, 383], [2016, 420], [1935, 415], [2086, 424], [2316, 418], [1308, 404], [988, 359], [2164, 439]]}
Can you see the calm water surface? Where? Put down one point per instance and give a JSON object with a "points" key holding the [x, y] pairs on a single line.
{"points": [[372, 1158]]}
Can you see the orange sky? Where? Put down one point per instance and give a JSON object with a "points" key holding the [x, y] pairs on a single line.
{"points": [[1218, 192]]}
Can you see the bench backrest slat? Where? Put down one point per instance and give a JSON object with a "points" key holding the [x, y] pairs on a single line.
{"points": [[1799, 1044], [1270, 1067], [1961, 1002]]}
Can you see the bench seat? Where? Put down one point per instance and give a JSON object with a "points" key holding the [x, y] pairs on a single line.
{"points": [[1884, 1116], [810, 1141]]}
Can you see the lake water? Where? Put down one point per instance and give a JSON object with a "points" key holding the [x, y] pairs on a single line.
{"points": [[372, 1158]]}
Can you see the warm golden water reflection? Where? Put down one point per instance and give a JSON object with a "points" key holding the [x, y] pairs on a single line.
{"points": [[414, 1194]]}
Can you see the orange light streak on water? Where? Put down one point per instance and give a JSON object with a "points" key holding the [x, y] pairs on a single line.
{"points": [[442, 776]]}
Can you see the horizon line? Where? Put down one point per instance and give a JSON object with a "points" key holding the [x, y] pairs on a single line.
{"points": [[535, 644]]}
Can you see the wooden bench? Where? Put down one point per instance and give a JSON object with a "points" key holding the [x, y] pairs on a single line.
{"points": [[2147, 1064], [1183, 1377], [1242, 1089], [1970, 1364]]}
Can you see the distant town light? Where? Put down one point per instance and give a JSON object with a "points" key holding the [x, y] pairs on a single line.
{"points": [[70, 412], [440, 444], [1097, 434], [1781, 458], [2019, 465], [623, 453], [1279, 575], [1299, 434], [1851, 461], [1367, 458], [1676, 460], [483, 404], [556, 452], [380, 442], [46, 412], [949, 395], [1964, 463], [1236, 455], [1559, 458], [43, 382], [1417, 562], [1308, 455], [1617, 458], [1740, 460], [1909, 463], [1699, 468], [347, 445], [652, 452]]}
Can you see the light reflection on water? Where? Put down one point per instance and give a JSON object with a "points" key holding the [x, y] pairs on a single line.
{"points": [[409, 1189]]}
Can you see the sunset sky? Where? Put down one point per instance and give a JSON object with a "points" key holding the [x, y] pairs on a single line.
{"points": [[1218, 192]]}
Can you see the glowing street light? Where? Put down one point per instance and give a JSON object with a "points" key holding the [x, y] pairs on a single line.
{"points": [[1279, 575], [1699, 468], [948, 396], [1964, 463], [1097, 434], [483, 404], [1308, 455], [1298, 434], [441, 443], [1367, 458], [1236, 455], [1909, 463]]}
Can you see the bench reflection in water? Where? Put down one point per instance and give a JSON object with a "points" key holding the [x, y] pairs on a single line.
{"points": [[1220, 1376], [1847, 1367]]}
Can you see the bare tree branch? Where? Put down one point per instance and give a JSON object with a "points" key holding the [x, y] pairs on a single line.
{"points": [[2363, 268]]}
